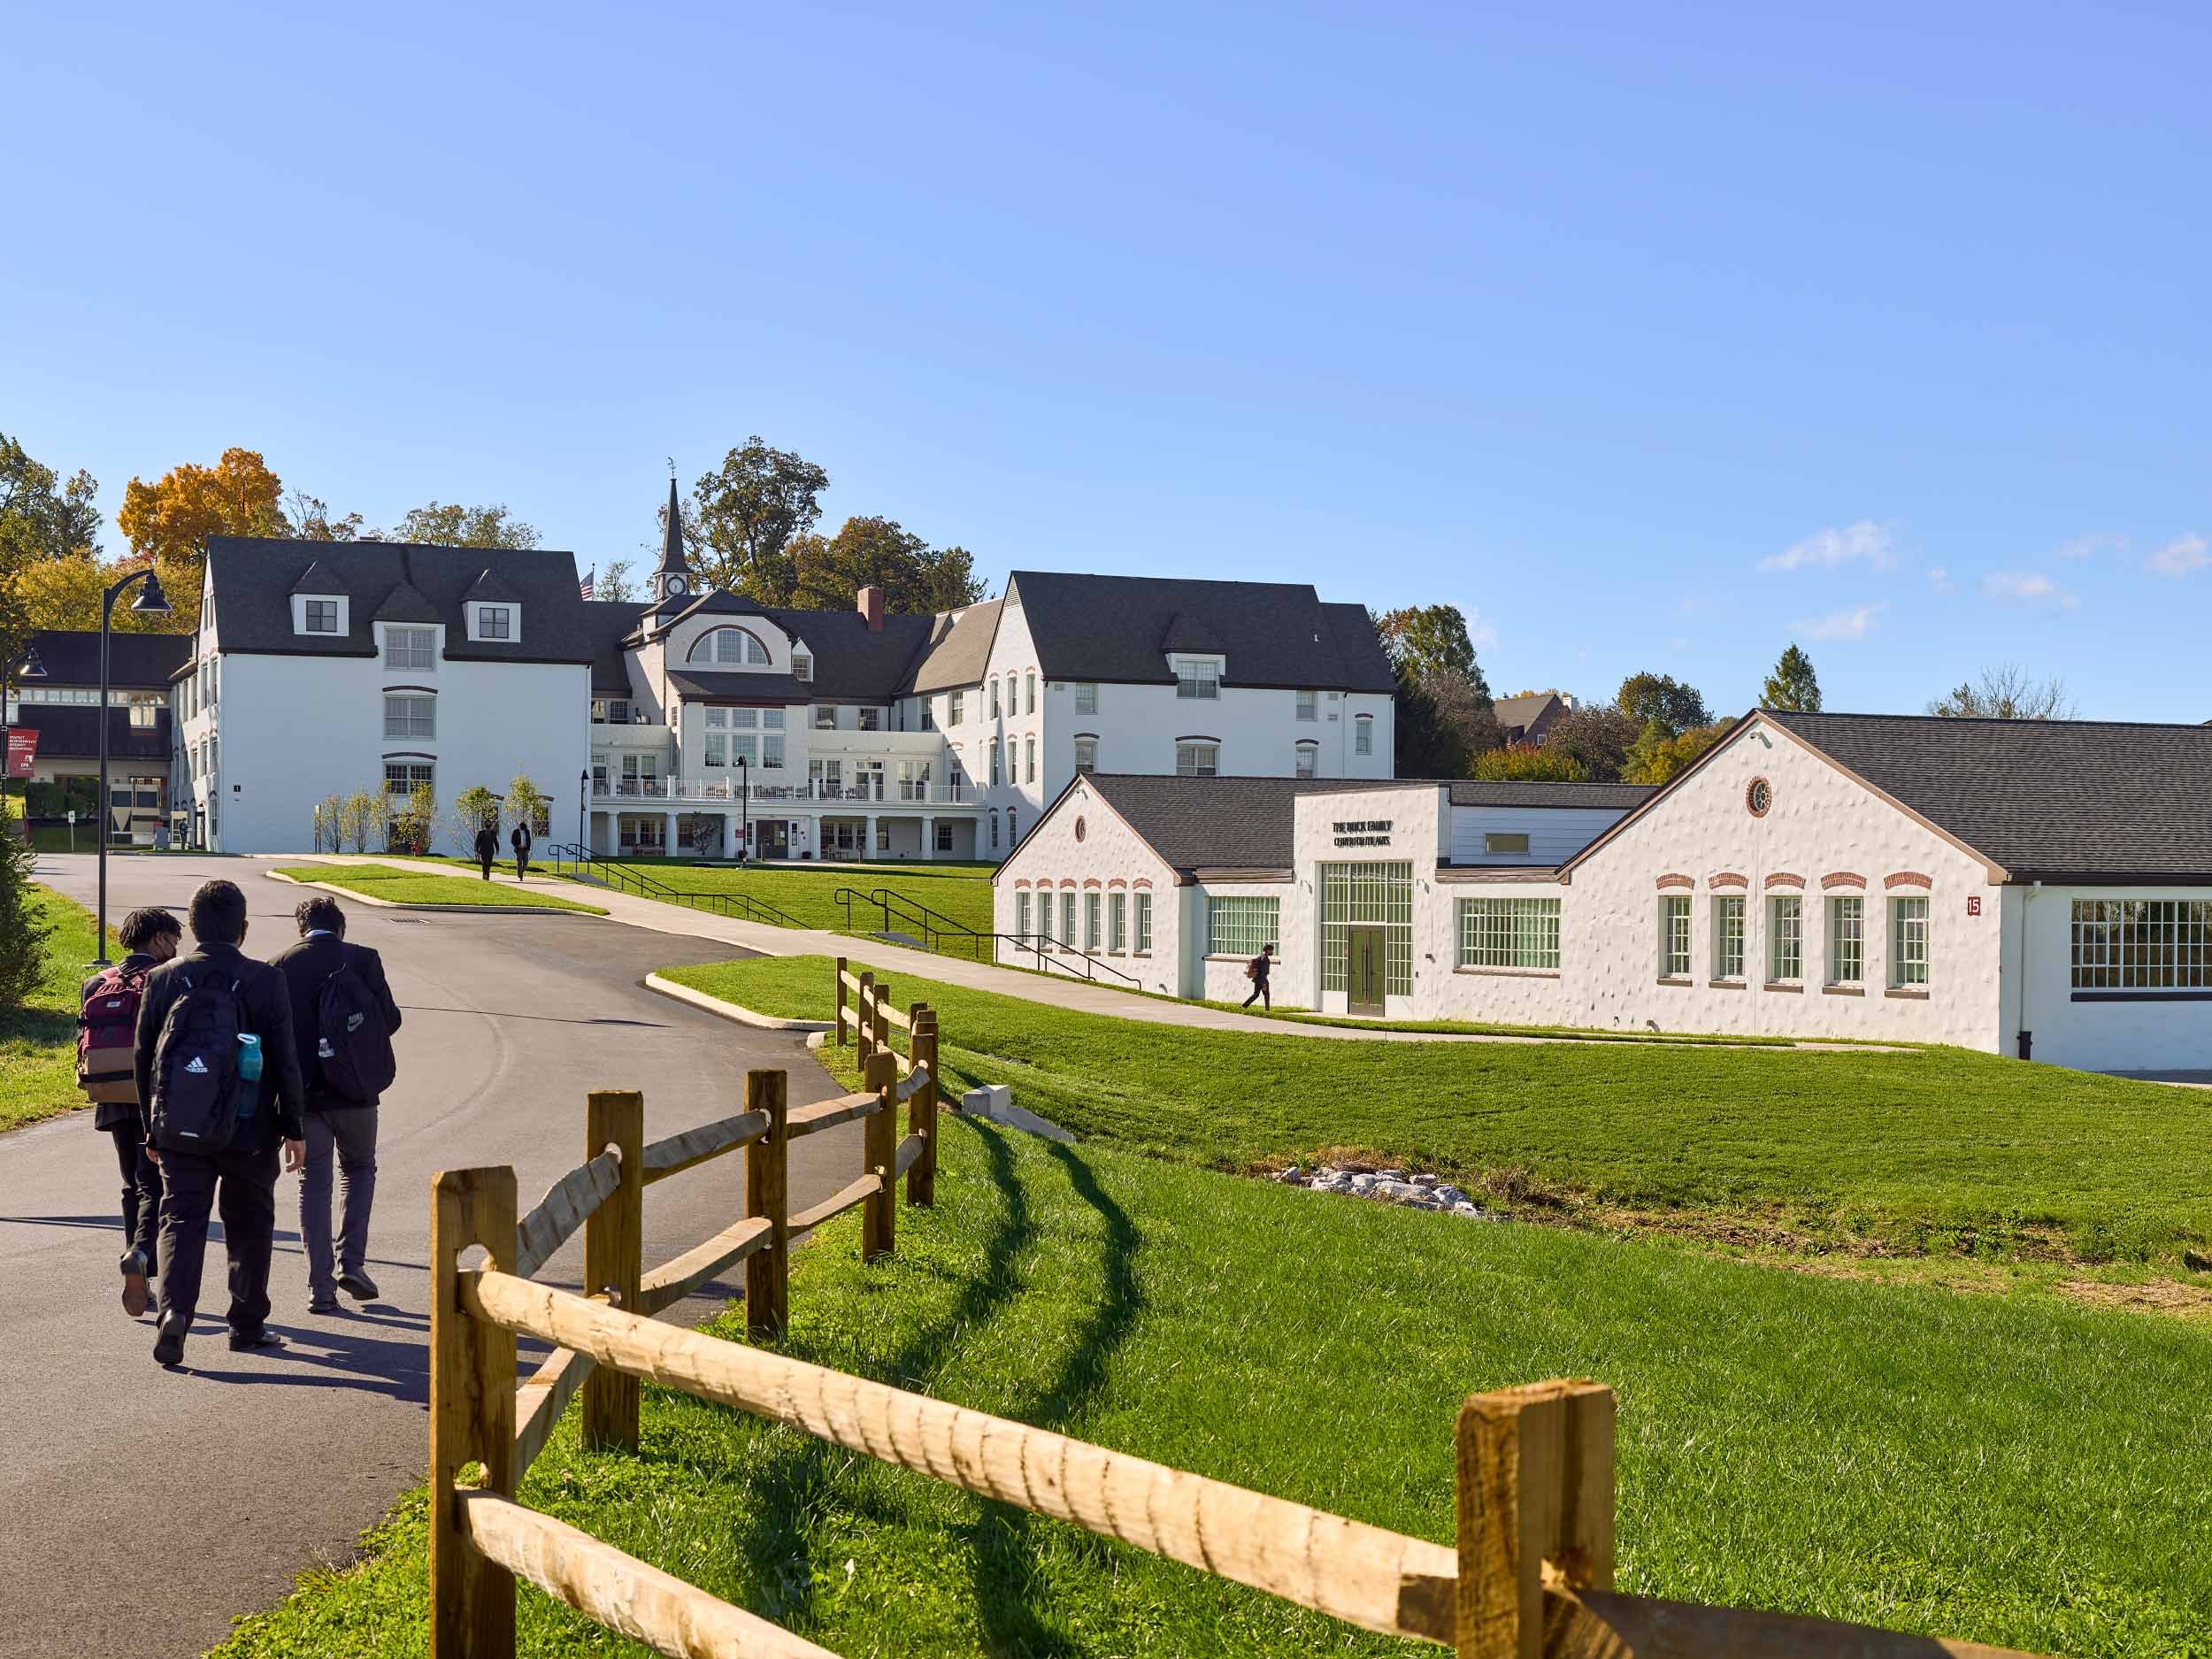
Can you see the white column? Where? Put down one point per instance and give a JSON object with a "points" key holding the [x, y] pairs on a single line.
{"points": [[868, 838], [668, 846], [729, 835], [929, 836]]}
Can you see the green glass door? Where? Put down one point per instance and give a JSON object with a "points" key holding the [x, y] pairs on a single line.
{"points": [[1365, 989]]}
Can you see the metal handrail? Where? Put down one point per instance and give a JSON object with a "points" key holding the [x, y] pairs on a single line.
{"points": [[934, 925], [629, 879]]}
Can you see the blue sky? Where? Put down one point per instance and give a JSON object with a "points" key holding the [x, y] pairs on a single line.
{"points": [[1653, 337]]}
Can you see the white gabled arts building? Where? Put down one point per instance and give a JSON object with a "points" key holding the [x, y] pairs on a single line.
{"points": [[683, 724], [2039, 887]]}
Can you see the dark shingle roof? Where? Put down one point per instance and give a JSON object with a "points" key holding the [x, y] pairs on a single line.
{"points": [[1220, 822], [2053, 800], [316, 579], [253, 577], [1618, 797], [743, 685], [73, 729], [494, 588], [959, 648], [608, 623], [1192, 633], [1113, 628], [141, 662], [406, 603]]}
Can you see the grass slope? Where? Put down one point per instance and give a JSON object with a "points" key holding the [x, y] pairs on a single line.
{"points": [[960, 892], [2028, 1474], [38, 1041], [1936, 1150], [399, 885]]}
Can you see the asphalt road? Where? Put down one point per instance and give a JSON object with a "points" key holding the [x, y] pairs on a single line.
{"points": [[144, 1508]]}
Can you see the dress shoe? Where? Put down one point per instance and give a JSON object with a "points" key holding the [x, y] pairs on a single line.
{"points": [[169, 1345], [358, 1286], [246, 1341]]}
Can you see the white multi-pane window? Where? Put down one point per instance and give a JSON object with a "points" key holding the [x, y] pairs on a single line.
{"points": [[1144, 922], [411, 649], [994, 708], [1013, 828], [1067, 918], [1091, 908], [2142, 945], [803, 667], [995, 779], [995, 829], [1118, 922], [1353, 894], [1786, 938], [402, 776], [1308, 706], [1309, 758], [1847, 939], [1674, 935], [410, 715], [1495, 842], [1509, 933], [1909, 942], [1197, 677], [733, 647], [322, 616], [1021, 912], [1240, 926], [1085, 754], [952, 707], [1029, 692], [1364, 734], [1029, 760], [1728, 909], [1197, 760], [826, 716], [1011, 686], [495, 622], [1086, 697]]}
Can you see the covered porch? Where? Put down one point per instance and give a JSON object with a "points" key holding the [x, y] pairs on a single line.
{"points": [[778, 832]]}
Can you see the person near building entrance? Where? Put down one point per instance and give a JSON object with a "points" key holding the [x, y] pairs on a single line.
{"points": [[107, 1071], [343, 1021], [486, 846], [1256, 971], [520, 842], [221, 1082]]}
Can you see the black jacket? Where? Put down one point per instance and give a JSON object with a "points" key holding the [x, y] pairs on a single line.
{"points": [[520, 841], [305, 967], [113, 1114], [488, 843], [268, 1015]]}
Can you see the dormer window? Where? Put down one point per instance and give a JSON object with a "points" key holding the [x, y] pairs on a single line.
{"points": [[322, 616], [802, 665], [1198, 676], [495, 622], [729, 647]]}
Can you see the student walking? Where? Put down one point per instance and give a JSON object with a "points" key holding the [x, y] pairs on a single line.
{"points": [[520, 840], [107, 1071], [486, 846], [343, 1021], [215, 1066], [1256, 971]]}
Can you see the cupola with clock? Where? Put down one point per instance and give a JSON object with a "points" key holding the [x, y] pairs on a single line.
{"points": [[671, 581]]}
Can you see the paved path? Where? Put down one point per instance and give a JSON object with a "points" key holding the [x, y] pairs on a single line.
{"points": [[145, 1508], [1054, 990]]}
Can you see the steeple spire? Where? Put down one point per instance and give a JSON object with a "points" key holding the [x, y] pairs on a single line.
{"points": [[672, 582]]}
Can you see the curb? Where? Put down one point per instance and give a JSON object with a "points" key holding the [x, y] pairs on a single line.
{"points": [[353, 897], [730, 1010]]}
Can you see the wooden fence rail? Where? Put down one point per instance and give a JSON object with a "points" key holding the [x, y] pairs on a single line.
{"points": [[1530, 1575]]}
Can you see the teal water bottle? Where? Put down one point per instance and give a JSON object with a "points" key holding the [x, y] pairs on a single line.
{"points": [[248, 1072]]}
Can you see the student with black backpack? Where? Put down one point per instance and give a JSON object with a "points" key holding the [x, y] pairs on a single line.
{"points": [[343, 1021], [107, 1072], [221, 1085]]}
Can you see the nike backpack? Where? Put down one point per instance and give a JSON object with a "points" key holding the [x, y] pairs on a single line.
{"points": [[107, 1036], [352, 1045], [197, 1084]]}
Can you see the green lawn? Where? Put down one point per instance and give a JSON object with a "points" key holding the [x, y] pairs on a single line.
{"points": [[2023, 1473], [399, 885], [38, 1041], [960, 892], [1935, 1150]]}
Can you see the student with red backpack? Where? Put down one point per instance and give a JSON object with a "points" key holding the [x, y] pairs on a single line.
{"points": [[221, 1083], [107, 1041], [343, 1021]]}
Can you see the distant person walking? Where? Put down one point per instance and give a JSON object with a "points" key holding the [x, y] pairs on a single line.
{"points": [[520, 841], [486, 846], [215, 1066], [107, 1071], [343, 1021], [1256, 971]]}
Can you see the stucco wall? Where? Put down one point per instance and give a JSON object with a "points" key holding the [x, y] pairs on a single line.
{"points": [[1105, 859]]}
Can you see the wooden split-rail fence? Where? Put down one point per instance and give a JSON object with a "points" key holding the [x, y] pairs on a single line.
{"points": [[1531, 1575]]}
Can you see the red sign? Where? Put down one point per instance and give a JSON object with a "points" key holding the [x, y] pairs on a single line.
{"points": [[1973, 904], [22, 750]]}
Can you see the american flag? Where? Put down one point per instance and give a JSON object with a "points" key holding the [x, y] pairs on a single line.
{"points": [[583, 588]]}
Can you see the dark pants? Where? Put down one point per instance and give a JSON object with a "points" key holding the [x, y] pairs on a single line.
{"points": [[243, 1185], [486, 858], [1260, 994], [345, 1135], [522, 867], [142, 1190]]}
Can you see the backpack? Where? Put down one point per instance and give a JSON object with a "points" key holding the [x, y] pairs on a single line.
{"points": [[352, 1045], [197, 1090], [1251, 971], [107, 1036]]}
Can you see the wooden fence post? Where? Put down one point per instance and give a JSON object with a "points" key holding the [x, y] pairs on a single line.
{"points": [[841, 1003], [768, 1193], [864, 1021], [878, 1216], [614, 1245], [472, 1414], [878, 1005], [1535, 1484], [921, 1111]]}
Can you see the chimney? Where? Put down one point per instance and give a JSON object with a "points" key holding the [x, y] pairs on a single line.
{"points": [[870, 604]]}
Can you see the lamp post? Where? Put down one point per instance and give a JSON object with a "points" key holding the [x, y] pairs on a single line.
{"points": [[26, 666], [744, 810], [149, 602], [583, 805]]}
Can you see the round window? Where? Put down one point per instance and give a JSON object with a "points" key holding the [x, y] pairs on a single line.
{"points": [[1758, 797], [1079, 829]]}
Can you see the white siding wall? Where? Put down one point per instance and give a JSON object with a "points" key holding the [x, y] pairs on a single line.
{"points": [[2165, 1035], [1554, 833]]}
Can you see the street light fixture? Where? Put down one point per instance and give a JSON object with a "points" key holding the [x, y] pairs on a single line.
{"points": [[149, 601], [583, 805], [25, 666]]}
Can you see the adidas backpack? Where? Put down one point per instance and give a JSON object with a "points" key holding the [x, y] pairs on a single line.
{"points": [[107, 1036], [352, 1045], [196, 1085]]}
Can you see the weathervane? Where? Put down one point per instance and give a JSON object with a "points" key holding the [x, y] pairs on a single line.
{"points": [[671, 469]]}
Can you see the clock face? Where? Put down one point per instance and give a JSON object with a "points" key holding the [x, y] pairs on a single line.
{"points": [[675, 584]]}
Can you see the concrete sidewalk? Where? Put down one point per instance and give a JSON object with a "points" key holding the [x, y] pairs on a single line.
{"points": [[1053, 990]]}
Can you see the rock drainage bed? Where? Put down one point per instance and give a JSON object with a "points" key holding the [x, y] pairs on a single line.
{"points": [[1386, 1186]]}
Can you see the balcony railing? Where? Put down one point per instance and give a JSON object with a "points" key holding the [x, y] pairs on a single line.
{"points": [[890, 791]]}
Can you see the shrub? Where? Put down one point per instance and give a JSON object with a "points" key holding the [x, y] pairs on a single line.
{"points": [[1526, 763], [22, 939]]}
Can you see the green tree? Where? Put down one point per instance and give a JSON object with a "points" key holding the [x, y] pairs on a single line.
{"points": [[449, 524], [1659, 754], [614, 583], [914, 576], [526, 803], [746, 515], [22, 936], [1597, 737], [1435, 640], [473, 808], [2007, 692], [42, 515], [1647, 697], [308, 518], [1528, 762], [1793, 684], [360, 817], [170, 520], [1425, 743]]}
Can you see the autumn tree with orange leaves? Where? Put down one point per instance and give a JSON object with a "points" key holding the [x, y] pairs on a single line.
{"points": [[170, 520]]}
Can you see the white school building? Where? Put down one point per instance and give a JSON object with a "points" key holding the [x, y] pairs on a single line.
{"points": [[2033, 887]]}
